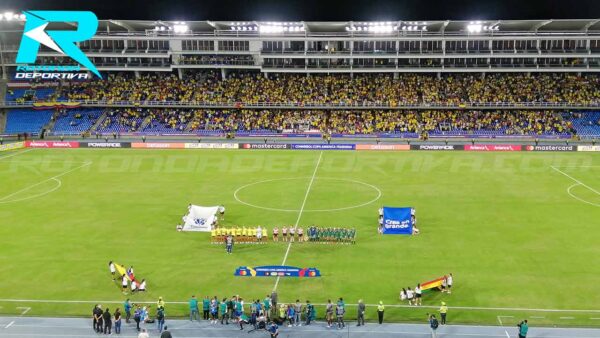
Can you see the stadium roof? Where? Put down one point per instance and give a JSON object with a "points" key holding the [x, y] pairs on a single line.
{"points": [[450, 27]]}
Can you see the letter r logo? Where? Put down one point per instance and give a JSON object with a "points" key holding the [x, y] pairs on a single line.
{"points": [[63, 42]]}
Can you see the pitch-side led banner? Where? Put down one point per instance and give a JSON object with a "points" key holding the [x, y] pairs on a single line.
{"points": [[264, 146], [12, 146], [211, 146], [319, 146], [437, 147], [106, 145], [493, 147], [158, 145], [51, 144], [397, 221], [588, 148], [394, 147], [550, 147], [277, 271]]}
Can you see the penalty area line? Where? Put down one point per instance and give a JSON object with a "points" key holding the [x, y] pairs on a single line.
{"points": [[16, 153], [576, 180], [55, 178], [312, 180]]}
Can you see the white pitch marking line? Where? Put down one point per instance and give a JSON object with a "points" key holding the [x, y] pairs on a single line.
{"points": [[24, 308], [537, 317], [595, 318], [9, 324], [567, 317], [579, 198], [312, 179], [17, 153], [48, 179], [576, 180], [476, 308]]}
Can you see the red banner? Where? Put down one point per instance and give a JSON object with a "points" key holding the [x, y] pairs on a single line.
{"points": [[382, 147], [51, 144], [493, 147]]}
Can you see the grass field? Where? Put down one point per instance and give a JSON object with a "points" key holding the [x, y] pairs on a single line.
{"points": [[505, 224]]}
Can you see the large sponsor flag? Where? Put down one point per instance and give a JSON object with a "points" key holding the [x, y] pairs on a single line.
{"points": [[397, 221], [199, 218]]}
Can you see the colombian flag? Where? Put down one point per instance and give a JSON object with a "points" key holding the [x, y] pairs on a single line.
{"points": [[436, 283]]}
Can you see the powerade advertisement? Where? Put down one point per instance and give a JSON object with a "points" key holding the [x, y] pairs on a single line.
{"points": [[397, 221], [277, 271]]}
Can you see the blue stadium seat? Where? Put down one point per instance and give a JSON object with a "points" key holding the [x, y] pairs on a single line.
{"points": [[26, 120]]}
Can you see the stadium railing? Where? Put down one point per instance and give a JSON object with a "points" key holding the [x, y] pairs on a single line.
{"points": [[313, 105]]}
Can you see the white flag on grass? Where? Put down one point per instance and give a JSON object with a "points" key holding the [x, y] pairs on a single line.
{"points": [[199, 218]]}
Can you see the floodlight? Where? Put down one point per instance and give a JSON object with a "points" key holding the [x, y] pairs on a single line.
{"points": [[8, 16]]}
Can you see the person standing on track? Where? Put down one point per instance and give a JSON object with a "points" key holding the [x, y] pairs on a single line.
{"points": [[523, 329], [380, 310], [433, 324], [94, 318], [223, 312], [98, 317], [339, 313], [329, 313], [274, 300], [205, 308], [107, 319], [193, 308], [361, 313], [443, 311], [117, 321], [127, 308]]}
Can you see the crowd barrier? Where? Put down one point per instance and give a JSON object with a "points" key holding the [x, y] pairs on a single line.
{"points": [[304, 146]]}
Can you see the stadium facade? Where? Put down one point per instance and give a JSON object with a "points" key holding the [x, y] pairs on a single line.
{"points": [[331, 47]]}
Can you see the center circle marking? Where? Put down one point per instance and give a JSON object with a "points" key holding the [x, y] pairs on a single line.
{"points": [[237, 198]]}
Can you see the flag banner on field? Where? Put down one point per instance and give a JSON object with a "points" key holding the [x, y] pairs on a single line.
{"points": [[121, 271], [397, 221], [433, 284], [277, 271], [199, 218]]}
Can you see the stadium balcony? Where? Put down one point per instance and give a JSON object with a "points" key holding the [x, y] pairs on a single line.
{"points": [[27, 121]]}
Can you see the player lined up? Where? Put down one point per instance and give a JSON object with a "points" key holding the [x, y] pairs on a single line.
{"points": [[247, 235], [332, 235]]}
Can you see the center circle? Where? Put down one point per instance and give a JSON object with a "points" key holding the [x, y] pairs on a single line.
{"points": [[371, 192]]}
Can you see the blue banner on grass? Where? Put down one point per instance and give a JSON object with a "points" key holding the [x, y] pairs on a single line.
{"points": [[397, 221], [276, 271]]}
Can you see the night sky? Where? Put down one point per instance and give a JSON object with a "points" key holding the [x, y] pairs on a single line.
{"points": [[319, 10]]}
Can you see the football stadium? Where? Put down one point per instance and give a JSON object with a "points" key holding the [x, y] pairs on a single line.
{"points": [[298, 178]]}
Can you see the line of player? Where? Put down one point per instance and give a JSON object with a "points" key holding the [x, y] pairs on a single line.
{"points": [[260, 235]]}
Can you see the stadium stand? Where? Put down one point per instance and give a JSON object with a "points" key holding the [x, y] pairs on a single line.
{"points": [[76, 121], [586, 124], [27, 120]]}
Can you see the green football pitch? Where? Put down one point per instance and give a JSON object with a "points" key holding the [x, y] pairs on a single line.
{"points": [[519, 231]]}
